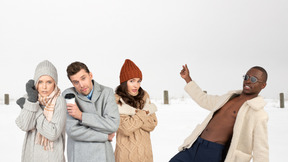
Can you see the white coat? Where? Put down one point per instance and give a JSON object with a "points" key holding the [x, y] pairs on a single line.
{"points": [[250, 137]]}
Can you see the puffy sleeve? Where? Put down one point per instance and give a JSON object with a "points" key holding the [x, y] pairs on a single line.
{"points": [[200, 97]]}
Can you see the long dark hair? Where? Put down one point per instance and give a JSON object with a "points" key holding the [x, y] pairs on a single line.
{"points": [[134, 101]]}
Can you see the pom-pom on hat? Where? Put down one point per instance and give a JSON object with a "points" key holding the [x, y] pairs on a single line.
{"points": [[129, 70], [45, 68]]}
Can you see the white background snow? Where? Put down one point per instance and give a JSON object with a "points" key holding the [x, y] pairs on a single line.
{"points": [[176, 122], [219, 40]]}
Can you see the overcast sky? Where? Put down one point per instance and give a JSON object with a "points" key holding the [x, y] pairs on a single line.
{"points": [[219, 40]]}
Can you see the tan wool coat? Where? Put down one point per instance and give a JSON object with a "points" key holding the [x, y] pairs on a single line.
{"points": [[250, 137], [133, 141]]}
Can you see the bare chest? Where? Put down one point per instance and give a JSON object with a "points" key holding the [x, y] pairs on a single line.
{"points": [[220, 127], [229, 110]]}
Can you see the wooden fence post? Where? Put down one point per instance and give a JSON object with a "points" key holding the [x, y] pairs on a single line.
{"points": [[6, 98], [282, 100], [166, 97]]}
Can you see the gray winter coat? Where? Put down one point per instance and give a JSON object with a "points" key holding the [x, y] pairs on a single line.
{"points": [[88, 139], [32, 120]]}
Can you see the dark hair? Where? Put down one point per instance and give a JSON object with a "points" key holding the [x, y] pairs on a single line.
{"points": [[134, 101], [264, 72], [75, 67]]}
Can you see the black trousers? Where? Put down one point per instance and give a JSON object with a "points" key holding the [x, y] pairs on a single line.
{"points": [[201, 151]]}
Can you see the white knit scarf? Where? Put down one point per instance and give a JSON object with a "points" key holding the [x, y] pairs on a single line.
{"points": [[49, 103]]}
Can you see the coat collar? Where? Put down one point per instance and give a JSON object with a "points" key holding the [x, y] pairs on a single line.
{"points": [[256, 103], [96, 93]]}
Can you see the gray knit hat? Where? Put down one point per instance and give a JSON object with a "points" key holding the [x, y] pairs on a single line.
{"points": [[45, 68]]}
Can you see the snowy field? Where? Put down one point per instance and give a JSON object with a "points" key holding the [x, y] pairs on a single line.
{"points": [[176, 121]]}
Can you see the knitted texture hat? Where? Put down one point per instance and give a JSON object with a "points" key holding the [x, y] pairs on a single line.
{"points": [[129, 70], [45, 68]]}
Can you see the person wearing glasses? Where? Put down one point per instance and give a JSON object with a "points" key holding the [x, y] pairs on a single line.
{"points": [[236, 128]]}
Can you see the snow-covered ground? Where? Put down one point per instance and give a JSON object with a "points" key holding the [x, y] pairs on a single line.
{"points": [[176, 121]]}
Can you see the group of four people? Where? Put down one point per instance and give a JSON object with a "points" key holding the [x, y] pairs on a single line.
{"points": [[97, 113]]}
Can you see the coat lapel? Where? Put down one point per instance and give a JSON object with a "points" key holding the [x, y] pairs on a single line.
{"points": [[96, 93], [82, 97]]}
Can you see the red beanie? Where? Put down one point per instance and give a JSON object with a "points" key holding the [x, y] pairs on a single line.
{"points": [[129, 70]]}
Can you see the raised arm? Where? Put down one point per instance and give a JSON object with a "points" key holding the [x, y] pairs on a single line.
{"points": [[196, 93], [27, 119], [185, 73]]}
